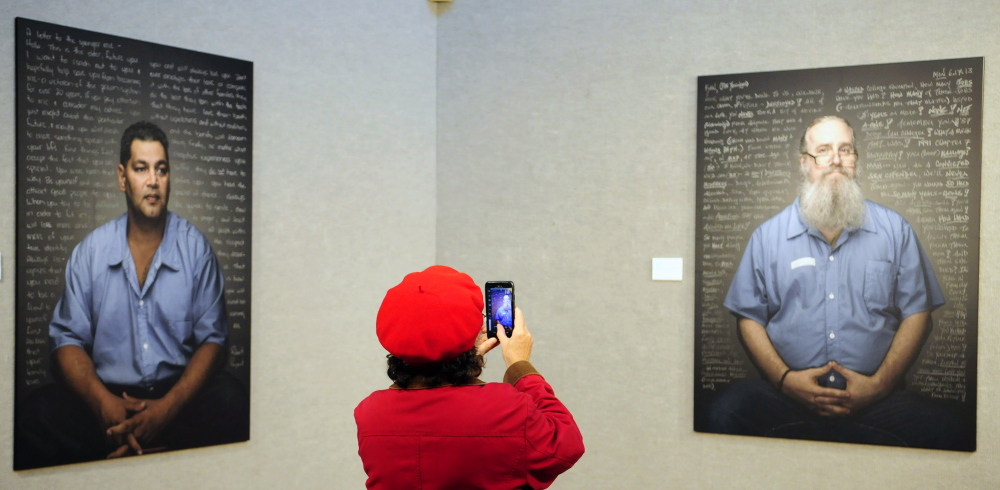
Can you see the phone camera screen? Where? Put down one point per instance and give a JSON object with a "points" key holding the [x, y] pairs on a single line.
{"points": [[501, 309]]}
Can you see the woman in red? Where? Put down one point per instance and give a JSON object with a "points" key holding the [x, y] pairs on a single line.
{"points": [[438, 425]]}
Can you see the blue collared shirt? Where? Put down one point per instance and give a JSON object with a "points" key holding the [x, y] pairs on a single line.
{"points": [[843, 303], [138, 335]]}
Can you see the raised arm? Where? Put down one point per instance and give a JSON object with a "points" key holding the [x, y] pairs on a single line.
{"points": [[554, 440]]}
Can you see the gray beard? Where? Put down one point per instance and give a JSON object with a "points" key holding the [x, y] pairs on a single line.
{"points": [[832, 204]]}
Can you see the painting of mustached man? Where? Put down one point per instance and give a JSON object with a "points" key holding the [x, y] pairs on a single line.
{"points": [[838, 243], [133, 267]]}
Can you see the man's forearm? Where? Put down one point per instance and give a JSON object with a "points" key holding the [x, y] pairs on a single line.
{"points": [[905, 347], [761, 350], [203, 365], [77, 371]]}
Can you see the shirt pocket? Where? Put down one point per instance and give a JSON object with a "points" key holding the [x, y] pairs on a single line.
{"points": [[880, 284]]}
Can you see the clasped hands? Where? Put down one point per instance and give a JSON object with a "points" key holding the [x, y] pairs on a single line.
{"points": [[129, 423], [803, 386]]}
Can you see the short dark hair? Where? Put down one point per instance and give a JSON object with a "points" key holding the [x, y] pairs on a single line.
{"points": [[142, 131], [464, 369]]}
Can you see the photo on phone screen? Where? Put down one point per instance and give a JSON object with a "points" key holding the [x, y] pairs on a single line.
{"points": [[499, 307]]}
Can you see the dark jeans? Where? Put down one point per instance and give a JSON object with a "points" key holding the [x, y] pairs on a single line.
{"points": [[755, 408], [54, 426]]}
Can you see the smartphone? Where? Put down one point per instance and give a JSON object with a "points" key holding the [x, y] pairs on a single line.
{"points": [[499, 307]]}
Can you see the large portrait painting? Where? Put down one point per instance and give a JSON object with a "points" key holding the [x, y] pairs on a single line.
{"points": [[837, 253], [134, 172]]}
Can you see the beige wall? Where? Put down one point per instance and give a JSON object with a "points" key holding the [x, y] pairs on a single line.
{"points": [[551, 143]]}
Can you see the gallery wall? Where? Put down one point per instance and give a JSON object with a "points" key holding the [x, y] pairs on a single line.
{"points": [[551, 143], [566, 162], [344, 205]]}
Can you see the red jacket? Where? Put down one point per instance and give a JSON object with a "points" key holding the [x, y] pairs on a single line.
{"points": [[491, 436]]}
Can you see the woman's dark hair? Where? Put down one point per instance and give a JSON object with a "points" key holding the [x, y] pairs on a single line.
{"points": [[462, 370]]}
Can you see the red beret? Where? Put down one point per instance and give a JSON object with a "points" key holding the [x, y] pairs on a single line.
{"points": [[432, 316]]}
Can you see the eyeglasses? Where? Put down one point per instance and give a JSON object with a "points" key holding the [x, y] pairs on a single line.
{"points": [[824, 156]]}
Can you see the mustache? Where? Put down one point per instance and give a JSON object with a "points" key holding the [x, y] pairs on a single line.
{"points": [[832, 170]]}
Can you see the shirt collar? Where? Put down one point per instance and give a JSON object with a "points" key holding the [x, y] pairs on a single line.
{"points": [[797, 225], [168, 247], [119, 251]]}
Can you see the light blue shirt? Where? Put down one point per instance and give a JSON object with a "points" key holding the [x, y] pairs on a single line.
{"points": [[842, 303], [140, 335]]}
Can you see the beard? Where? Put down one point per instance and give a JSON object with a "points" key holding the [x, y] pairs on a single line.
{"points": [[831, 202]]}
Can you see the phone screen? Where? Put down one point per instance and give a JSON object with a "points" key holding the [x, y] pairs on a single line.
{"points": [[499, 307]]}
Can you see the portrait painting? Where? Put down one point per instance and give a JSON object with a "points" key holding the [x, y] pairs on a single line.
{"points": [[134, 177], [837, 254]]}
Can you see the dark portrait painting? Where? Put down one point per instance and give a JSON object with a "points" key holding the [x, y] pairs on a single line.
{"points": [[134, 177], [837, 253]]}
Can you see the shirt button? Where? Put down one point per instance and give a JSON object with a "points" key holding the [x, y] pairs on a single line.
{"points": [[141, 302], [833, 335], [831, 295], [833, 378], [831, 258], [145, 346]]}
